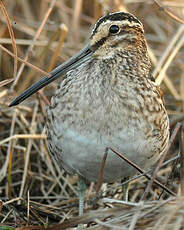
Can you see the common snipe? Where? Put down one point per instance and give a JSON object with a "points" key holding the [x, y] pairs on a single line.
{"points": [[108, 99]]}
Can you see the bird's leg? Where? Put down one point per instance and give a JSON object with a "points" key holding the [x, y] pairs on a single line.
{"points": [[125, 188], [125, 191], [81, 193]]}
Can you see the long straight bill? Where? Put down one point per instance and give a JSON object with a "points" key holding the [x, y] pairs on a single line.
{"points": [[81, 57]]}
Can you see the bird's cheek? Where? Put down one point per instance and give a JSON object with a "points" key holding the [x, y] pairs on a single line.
{"points": [[103, 53]]}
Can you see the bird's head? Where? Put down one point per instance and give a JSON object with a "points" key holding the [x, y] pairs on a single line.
{"points": [[116, 32]]}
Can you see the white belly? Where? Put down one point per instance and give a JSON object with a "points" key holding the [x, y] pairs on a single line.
{"points": [[83, 154]]}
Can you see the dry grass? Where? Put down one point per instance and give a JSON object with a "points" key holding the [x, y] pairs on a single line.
{"points": [[35, 193]]}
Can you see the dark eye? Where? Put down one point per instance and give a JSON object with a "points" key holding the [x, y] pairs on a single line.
{"points": [[114, 29]]}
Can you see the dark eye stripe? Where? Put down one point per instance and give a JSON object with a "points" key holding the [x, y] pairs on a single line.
{"points": [[99, 43], [124, 30]]}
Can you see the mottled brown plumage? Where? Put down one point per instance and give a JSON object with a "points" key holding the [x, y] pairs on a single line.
{"points": [[110, 100]]}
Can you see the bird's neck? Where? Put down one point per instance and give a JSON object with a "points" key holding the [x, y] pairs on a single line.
{"points": [[135, 61], [128, 63]]}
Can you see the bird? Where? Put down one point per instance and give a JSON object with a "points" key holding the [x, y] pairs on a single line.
{"points": [[107, 99]]}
